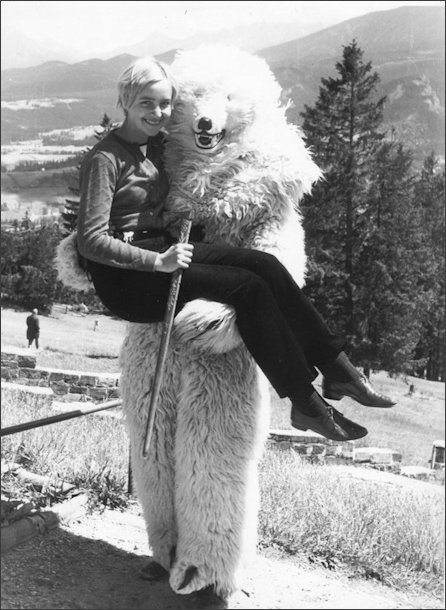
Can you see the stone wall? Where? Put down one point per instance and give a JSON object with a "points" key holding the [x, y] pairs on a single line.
{"points": [[20, 367]]}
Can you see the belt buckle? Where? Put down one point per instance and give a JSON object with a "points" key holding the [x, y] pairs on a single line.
{"points": [[127, 236]]}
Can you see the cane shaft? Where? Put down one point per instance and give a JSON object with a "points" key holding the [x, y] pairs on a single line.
{"points": [[169, 316]]}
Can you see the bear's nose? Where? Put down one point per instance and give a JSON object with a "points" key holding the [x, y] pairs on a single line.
{"points": [[204, 124]]}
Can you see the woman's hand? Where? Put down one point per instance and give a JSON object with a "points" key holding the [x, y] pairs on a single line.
{"points": [[178, 256]]}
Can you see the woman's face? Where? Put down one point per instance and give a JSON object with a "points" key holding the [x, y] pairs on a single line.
{"points": [[150, 111]]}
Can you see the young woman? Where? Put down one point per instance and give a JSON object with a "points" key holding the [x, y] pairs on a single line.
{"points": [[123, 188]]}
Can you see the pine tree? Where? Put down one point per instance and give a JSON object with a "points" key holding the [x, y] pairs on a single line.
{"points": [[388, 302], [342, 129], [430, 196], [360, 232]]}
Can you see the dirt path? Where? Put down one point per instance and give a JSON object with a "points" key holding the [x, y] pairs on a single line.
{"points": [[93, 563]]}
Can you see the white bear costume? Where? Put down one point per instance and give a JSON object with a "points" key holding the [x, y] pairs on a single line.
{"points": [[232, 157]]}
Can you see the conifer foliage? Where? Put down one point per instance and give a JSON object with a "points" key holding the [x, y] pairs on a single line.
{"points": [[430, 196], [363, 224]]}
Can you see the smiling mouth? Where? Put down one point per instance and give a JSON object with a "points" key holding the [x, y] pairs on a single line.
{"points": [[204, 139]]}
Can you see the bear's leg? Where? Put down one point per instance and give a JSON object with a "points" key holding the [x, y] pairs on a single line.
{"points": [[223, 419], [154, 476]]}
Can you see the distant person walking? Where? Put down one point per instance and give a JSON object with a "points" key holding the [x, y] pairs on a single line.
{"points": [[33, 328]]}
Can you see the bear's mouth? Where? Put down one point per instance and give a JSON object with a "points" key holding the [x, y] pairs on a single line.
{"points": [[204, 139]]}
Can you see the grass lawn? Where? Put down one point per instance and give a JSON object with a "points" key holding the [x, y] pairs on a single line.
{"points": [[306, 509], [69, 341], [410, 427]]}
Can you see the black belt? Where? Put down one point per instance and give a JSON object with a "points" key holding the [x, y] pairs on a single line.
{"points": [[130, 236]]}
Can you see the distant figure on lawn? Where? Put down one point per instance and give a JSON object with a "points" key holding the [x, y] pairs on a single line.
{"points": [[33, 328], [96, 324]]}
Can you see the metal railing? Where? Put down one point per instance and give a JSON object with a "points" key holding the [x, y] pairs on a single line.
{"points": [[45, 421], [53, 419]]}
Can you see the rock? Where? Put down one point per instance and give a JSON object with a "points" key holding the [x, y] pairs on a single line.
{"points": [[417, 472], [376, 455]]}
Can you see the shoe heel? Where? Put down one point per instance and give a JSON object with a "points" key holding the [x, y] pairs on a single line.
{"points": [[299, 427], [332, 395]]}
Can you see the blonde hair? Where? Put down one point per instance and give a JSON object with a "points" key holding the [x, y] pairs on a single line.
{"points": [[142, 72]]}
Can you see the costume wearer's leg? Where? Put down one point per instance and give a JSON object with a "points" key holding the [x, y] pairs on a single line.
{"points": [[37, 342]]}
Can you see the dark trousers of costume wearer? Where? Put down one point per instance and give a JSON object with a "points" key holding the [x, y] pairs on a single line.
{"points": [[278, 324]]}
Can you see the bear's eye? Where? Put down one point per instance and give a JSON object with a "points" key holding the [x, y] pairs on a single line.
{"points": [[198, 92], [229, 98]]}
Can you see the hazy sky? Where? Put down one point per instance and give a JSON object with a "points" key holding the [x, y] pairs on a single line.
{"points": [[98, 26]]}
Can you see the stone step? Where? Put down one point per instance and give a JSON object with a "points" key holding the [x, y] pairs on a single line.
{"points": [[377, 455], [30, 389], [310, 444]]}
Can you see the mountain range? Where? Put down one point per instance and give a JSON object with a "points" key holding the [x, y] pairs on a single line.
{"points": [[406, 46], [21, 51]]}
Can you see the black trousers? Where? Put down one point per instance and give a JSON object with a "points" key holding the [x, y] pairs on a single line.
{"points": [[32, 337], [278, 324]]}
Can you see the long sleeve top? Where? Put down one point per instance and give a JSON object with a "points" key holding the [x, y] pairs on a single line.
{"points": [[120, 190]]}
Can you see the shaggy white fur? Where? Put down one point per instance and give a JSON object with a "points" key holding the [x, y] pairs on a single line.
{"points": [[235, 161], [233, 158], [67, 265]]}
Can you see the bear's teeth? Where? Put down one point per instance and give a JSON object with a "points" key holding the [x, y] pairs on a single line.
{"points": [[207, 140]]}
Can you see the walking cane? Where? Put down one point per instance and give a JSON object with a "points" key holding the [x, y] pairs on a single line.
{"points": [[165, 336]]}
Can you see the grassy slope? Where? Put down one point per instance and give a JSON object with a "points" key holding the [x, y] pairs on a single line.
{"points": [[410, 427]]}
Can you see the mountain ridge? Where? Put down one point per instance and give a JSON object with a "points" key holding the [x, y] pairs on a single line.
{"points": [[405, 46]]}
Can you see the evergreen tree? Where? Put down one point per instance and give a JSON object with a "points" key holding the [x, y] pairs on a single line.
{"points": [[388, 302], [360, 235], [342, 129], [430, 196], [28, 275]]}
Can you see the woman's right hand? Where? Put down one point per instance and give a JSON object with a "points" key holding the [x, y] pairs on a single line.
{"points": [[178, 256]]}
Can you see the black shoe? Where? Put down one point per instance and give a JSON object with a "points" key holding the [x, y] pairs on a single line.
{"points": [[326, 421], [354, 384]]}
